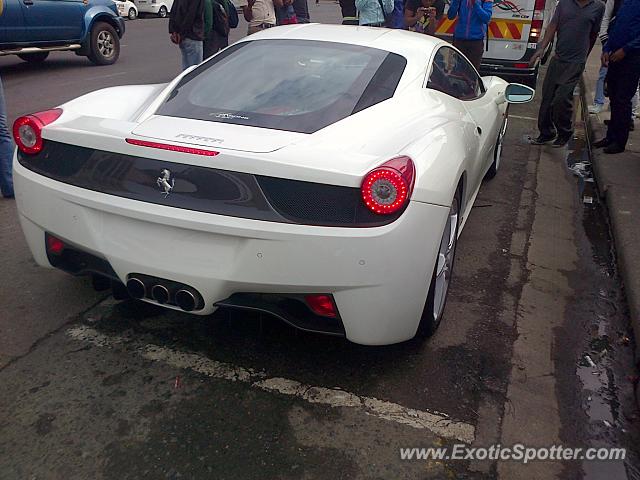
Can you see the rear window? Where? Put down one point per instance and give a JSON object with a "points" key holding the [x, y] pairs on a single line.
{"points": [[293, 85]]}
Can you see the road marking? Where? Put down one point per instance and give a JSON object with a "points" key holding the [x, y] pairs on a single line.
{"points": [[436, 422], [523, 118], [118, 74]]}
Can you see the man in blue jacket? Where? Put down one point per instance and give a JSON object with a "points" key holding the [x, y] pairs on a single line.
{"points": [[471, 29], [621, 54]]}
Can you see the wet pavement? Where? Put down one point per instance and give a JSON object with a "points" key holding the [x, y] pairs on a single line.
{"points": [[535, 348]]}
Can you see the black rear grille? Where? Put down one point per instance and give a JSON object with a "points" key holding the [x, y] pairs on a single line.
{"points": [[204, 189]]}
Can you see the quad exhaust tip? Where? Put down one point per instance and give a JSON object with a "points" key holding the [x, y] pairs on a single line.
{"points": [[136, 288], [160, 294], [186, 300]]}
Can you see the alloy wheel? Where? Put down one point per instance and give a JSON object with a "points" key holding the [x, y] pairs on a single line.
{"points": [[105, 44], [446, 255]]}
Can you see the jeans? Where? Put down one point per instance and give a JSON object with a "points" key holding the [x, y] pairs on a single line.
{"points": [[623, 80], [556, 108], [191, 52], [6, 150], [599, 96]]}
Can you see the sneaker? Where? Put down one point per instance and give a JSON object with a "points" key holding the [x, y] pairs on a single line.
{"points": [[542, 140], [596, 108], [560, 142]]}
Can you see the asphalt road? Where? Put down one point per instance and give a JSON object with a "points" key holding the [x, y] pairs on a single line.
{"points": [[93, 388]]}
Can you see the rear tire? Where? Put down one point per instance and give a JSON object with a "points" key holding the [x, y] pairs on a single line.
{"points": [[132, 15], [36, 57], [105, 44], [433, 311], [162, 13]]}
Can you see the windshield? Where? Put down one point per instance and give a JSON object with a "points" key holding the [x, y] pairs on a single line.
{"points": [[294, 85]]}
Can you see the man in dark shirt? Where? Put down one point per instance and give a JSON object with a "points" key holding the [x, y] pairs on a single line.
{"points": [[576, 23], [186, 27], [621, 54]]}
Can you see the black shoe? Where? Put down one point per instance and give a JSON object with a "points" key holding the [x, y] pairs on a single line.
{"points": [[542, 140], [560, 142], [605, 142], [613, 148]]}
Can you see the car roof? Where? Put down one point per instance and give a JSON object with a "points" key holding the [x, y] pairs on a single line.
{"points": [[415, 47]]}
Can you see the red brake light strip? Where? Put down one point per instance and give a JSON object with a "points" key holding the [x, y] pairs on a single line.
{"points": [[172, 148]]}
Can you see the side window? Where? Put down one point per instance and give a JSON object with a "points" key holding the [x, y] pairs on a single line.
{"points": [[454, 75]]}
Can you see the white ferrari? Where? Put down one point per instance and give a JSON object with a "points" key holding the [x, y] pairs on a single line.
{"points": [[319, 173]]}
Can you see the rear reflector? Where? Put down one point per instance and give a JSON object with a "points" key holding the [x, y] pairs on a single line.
{"points": [[54, 245], [321, 305], [172, 148], [521, 65]]}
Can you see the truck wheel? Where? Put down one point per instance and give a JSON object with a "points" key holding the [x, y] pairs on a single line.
{"points": [[36, 57], [162, 13], [132, 14], [105, 44]]}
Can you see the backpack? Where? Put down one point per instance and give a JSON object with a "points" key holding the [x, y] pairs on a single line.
{"points": [[232, 13], [220, 19]]}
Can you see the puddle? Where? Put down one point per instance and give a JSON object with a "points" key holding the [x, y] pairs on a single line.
{"points": [[607, 358]]}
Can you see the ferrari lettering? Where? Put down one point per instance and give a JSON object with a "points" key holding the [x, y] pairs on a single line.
{"points": [[199, 138]]}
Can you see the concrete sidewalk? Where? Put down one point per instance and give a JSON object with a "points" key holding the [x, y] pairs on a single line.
{"points": [[618, 178]]}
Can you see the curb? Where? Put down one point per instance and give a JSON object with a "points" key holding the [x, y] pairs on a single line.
{"points": [[626, 251]]}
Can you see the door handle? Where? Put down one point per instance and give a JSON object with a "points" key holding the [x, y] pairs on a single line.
{"points": [[27, 2], [479, 130]]}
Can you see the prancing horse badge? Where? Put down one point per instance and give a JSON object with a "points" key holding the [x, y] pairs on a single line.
{"points": [[165, 182]]}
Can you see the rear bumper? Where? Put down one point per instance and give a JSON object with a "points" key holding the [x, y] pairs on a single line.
{"points": [[379, 277]]}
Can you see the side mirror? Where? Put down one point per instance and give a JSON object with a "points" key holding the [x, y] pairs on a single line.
{"points": [[516, 93]]}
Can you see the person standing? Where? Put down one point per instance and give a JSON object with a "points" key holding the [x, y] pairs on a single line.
{"points": [[373, 12], [286, 15], [186, 26], [610, 11], [260, 14], [471, 29], [422, 15], [621, 54], [216, 26], [349, 12], [6, 146], [301, 7], [576, 24]]}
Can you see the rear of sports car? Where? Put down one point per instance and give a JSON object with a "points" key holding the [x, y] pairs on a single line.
{"points": [[239, 201]]}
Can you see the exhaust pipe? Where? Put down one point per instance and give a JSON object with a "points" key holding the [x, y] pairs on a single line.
{"points": [[160, 294], [136, 288], [186, 300]]}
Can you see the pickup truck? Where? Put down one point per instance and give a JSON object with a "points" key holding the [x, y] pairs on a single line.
{"points": [[33, 28]]}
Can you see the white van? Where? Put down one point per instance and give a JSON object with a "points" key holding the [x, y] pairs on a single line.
{"points": [[516, 28], [160, 8]]}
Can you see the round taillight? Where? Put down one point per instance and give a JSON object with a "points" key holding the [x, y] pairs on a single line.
{"points": [[27, 130], [387, 188]]}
